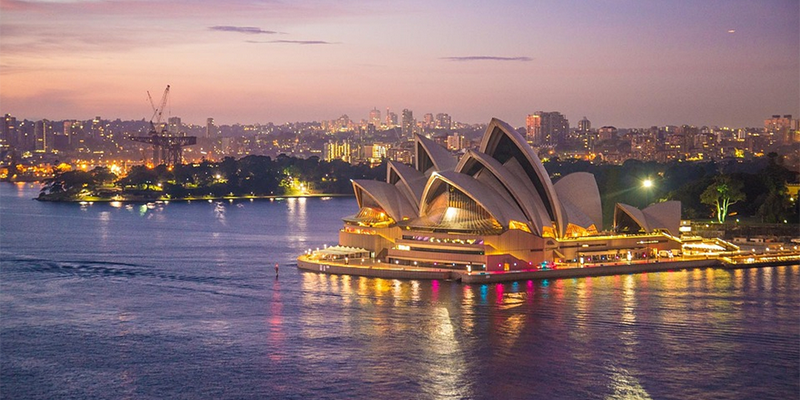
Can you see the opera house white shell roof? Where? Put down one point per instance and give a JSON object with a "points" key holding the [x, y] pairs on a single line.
{"points": [[501, 186]]}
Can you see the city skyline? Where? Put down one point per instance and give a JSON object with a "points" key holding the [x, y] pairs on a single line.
{"points": [[629, 64]]}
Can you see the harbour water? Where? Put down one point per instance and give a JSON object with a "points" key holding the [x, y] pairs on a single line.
{"points": [[180, 300]]}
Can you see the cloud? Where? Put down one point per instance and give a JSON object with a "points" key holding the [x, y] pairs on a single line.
{"points": [[487, 58], [250, 30], [302, 42]]}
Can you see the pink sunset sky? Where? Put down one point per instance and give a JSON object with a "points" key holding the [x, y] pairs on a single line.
{"points": [[623, 63]]}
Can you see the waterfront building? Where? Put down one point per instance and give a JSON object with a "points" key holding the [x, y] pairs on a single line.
{"points": [[496, 208]]}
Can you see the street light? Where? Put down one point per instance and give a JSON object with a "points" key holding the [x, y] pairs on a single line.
{"points": [[647, 184]]}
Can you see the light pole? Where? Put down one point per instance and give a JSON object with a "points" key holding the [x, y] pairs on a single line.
{"points": [[647, 184]]}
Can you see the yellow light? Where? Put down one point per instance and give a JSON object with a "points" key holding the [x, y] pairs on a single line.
{"points": [[647, 183]]}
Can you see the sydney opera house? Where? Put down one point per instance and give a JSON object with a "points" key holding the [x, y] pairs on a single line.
{"points": [[495, 209]]}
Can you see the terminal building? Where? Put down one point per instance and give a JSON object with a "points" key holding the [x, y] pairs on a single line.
{"points": [[497, 209]]}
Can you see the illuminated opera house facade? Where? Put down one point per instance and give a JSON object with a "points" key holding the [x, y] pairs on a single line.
{"points": [[495, 209]]}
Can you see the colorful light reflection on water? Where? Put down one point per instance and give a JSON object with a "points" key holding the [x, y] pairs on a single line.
{"points": [[106, 302]]}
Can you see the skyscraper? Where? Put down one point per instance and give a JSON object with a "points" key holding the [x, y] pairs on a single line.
{"points": [[408, 123], [375, 118], [391, 119], [211, 129], [10, 136], [533, 128], [546, 128], [43, 133], [97, 128], [68, 131]]}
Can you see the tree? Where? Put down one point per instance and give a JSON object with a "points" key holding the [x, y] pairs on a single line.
{"points": [[775, 208], [722, 193]]}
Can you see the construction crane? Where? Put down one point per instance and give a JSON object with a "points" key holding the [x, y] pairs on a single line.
{"points": [[167, 149], [157, 111]]}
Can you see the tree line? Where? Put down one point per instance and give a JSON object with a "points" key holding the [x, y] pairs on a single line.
{"points": [[707, 190], [753, 188], [248, 176]]}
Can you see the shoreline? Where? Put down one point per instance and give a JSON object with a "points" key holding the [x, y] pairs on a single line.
{"points": [[190, 199], [382, 270]]}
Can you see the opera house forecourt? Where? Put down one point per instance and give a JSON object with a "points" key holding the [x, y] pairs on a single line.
{"points": [[493, 214]]}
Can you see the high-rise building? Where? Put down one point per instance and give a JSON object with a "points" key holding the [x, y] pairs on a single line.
{"points": [[606, 133], [337, 151], [97, 129], [375, 118], [584, 125], [455, 142], [175, 125], [782, 129], [428, 122], [10, 135], [375, 153], [546, 128], [408, 123], [211, 130], [391, 119], [43, 132], [443, 121], [533, 128], [69, 132]]}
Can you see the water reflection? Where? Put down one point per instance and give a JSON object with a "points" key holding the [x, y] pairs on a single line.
{"points": [[624, 386], [446, 365], [600, 316], [103, 217], [683, 334], [276, 336]]}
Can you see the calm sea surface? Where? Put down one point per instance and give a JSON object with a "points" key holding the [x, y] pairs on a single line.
{"points": [[180, 301]]}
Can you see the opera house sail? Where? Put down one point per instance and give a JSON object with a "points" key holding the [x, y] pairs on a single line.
{"points": [[495, 208]]}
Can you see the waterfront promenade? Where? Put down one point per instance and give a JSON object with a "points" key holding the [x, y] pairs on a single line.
{"points": [[374, 268]]}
